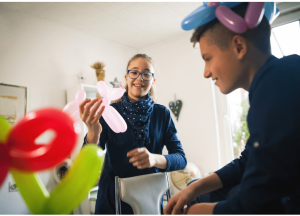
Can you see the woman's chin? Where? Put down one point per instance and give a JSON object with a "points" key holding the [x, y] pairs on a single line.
{"points": [[138, 95], [141, 95]]}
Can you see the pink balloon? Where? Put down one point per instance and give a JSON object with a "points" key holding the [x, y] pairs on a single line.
{"points": [[254, 14], [230, 19], [72, 108], [102, 88], [216, 4], [114, 120], [75, 115], [80, 96]]}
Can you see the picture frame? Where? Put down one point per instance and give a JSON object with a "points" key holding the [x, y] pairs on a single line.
{"points": [[13, 102]]}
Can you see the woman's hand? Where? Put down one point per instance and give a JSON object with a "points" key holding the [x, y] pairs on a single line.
{"points": [[141, 158], [91, 118]]}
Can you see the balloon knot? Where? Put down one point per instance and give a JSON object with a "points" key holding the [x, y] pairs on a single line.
{"points": [[209, 4]]}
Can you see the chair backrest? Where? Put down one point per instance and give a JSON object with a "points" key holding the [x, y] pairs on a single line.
{"points": [[143, 193]]}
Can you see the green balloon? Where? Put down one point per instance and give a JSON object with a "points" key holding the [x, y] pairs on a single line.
{"points": [[5, 128], [78, 181], [32, 189], [72, 190]]}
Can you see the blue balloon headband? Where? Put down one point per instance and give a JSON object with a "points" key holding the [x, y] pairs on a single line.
{"points": [[221, 10]]}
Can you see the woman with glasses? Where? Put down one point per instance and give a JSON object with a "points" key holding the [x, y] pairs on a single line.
{"points": [[138, 150]]}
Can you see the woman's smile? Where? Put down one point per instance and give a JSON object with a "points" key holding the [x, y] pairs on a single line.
{"points": [[138, 85]]}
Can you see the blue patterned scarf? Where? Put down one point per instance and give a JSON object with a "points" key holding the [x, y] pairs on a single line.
{"points": [[138, 115]]}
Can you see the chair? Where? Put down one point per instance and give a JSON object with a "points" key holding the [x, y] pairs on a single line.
{"points": [[92, 197], [143, 193]]}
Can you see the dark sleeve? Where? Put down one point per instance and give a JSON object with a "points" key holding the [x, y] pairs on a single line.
{"points": [[176, 157], [103, 136], [231, 174], [272, 169]]}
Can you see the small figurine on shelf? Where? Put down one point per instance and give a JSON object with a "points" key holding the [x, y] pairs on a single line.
{"points": [[100, 73]]}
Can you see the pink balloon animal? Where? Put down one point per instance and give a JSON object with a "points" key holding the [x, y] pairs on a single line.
{"points": [[110, 114], [234, 22], [114, 120], [72, 107]]}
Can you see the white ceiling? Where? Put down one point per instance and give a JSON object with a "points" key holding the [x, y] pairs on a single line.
{"points": [[134, 24]]}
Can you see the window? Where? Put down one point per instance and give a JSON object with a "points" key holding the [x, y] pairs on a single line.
{"points": [[238, 109], [285, 39]]}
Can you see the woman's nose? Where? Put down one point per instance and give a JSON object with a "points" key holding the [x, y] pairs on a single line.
{"points": [[140, 77], [207, 74]]}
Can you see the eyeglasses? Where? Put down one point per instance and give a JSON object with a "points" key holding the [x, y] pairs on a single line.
{"points": [[134, 74]]}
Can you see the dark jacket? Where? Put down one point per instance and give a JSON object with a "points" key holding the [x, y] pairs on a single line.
{"points": [[269, 169]]}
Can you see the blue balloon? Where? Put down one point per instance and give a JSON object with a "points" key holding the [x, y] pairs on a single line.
{"points": [[205, 14], [271, 12], [193, 20]]}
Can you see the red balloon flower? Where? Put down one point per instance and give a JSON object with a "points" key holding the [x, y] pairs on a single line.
{"points": [[23, 153]]}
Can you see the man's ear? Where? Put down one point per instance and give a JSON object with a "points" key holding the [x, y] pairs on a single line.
{"points": [[240, 46]]}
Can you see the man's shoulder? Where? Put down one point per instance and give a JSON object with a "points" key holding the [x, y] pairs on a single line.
{"points": [[278, 72], [287, 63], [290, 59]]}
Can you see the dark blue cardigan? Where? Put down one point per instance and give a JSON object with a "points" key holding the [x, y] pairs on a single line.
{"points": [[269, 169], [162, 133]]}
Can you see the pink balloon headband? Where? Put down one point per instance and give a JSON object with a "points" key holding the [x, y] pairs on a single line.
{"points": [[221, 10]]}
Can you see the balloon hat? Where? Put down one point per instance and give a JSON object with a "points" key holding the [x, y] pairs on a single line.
{"points": [[221, 10], [22, 156]]}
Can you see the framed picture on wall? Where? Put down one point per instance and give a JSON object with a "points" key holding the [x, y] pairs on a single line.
{"points": [[13, 102]]}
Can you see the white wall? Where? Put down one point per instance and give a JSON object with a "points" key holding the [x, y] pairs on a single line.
{"points": [[46, 58], [181, 72]]}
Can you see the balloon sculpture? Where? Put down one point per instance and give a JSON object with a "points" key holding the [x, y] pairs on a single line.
{"points": [[73, 107], [210, 10], [20, 155], [114, 120]]}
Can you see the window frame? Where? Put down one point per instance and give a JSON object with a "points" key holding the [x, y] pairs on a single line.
{"points": [[289, 12]]}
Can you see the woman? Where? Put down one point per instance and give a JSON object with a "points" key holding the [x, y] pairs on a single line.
{"points": [[137, 151]]}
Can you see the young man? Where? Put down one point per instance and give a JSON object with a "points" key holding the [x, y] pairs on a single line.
{"points": [[267, 175]]}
